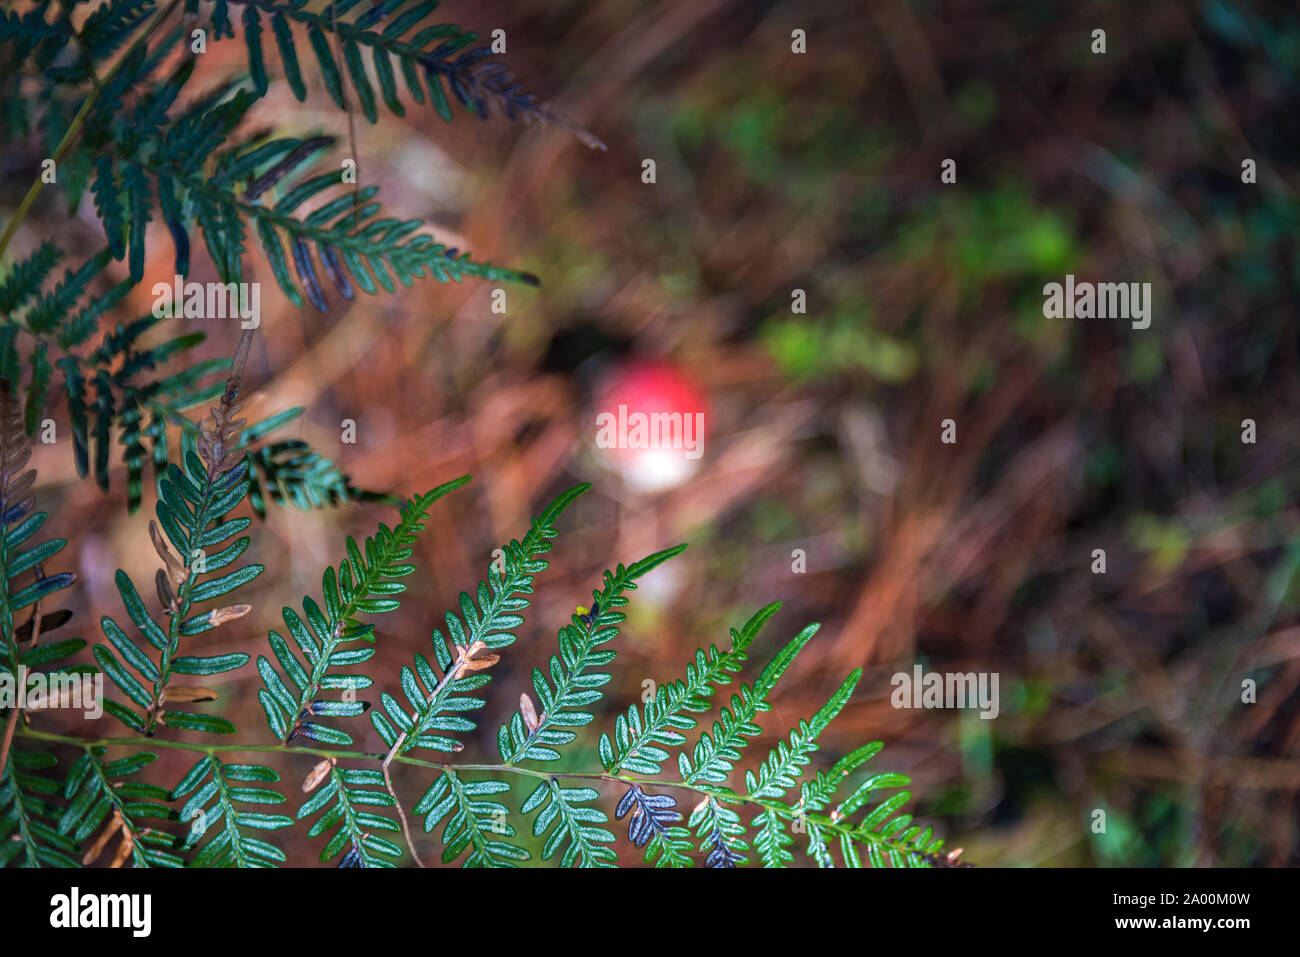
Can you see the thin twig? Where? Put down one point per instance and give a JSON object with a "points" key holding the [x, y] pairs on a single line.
{"points": [[453, 673]]}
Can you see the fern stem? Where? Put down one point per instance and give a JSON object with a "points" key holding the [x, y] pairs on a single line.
{"points": [[825, 822], [401, 813], [229, 813], [183, 603]]}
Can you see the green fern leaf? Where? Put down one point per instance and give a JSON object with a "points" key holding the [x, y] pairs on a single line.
{"points": [[361, 586], [574, 673], [221, 821], [440, 55], [435, 705], [341, 799], [192, 511], [101, 791], [28, 816]]}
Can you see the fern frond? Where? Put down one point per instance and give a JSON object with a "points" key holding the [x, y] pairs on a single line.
{"points": [[341, 798], [228, 191], [290, 472], [575, 673], [30, 35], [117, 397], [192, 511], [474, 821], [653, 825], [104, 794], [637, 739], [360, 586], [716, 750], [783, 766], [218, 810], [573, 823], [76, 51], [438, 57], [636, 743], [720, 832], [108, 27], [436, 703], [28, 816], [26, 278], [567, 814], [18, 523]]}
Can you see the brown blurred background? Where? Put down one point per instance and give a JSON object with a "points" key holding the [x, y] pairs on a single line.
{"points": [[778, 171]]}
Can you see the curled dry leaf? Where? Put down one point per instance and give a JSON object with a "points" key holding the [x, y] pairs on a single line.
{"points": [[480, 664], [175, 570], [472, 659], [317, 774], [123, 850], [182, 693], [529, 712], [219, 616], [106, 835], [165, 596]]}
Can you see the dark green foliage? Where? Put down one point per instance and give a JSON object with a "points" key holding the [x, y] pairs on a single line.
{"points": [[351, 805], [392, 37], [111, 104], [346, 797], [435, 705], [362, 585], [33, 828], [99, 791], [29, 834], [290, 472], [222, 806], [574, 672], [116, 394], [24, 584], [183, 168], [193, 508]]}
